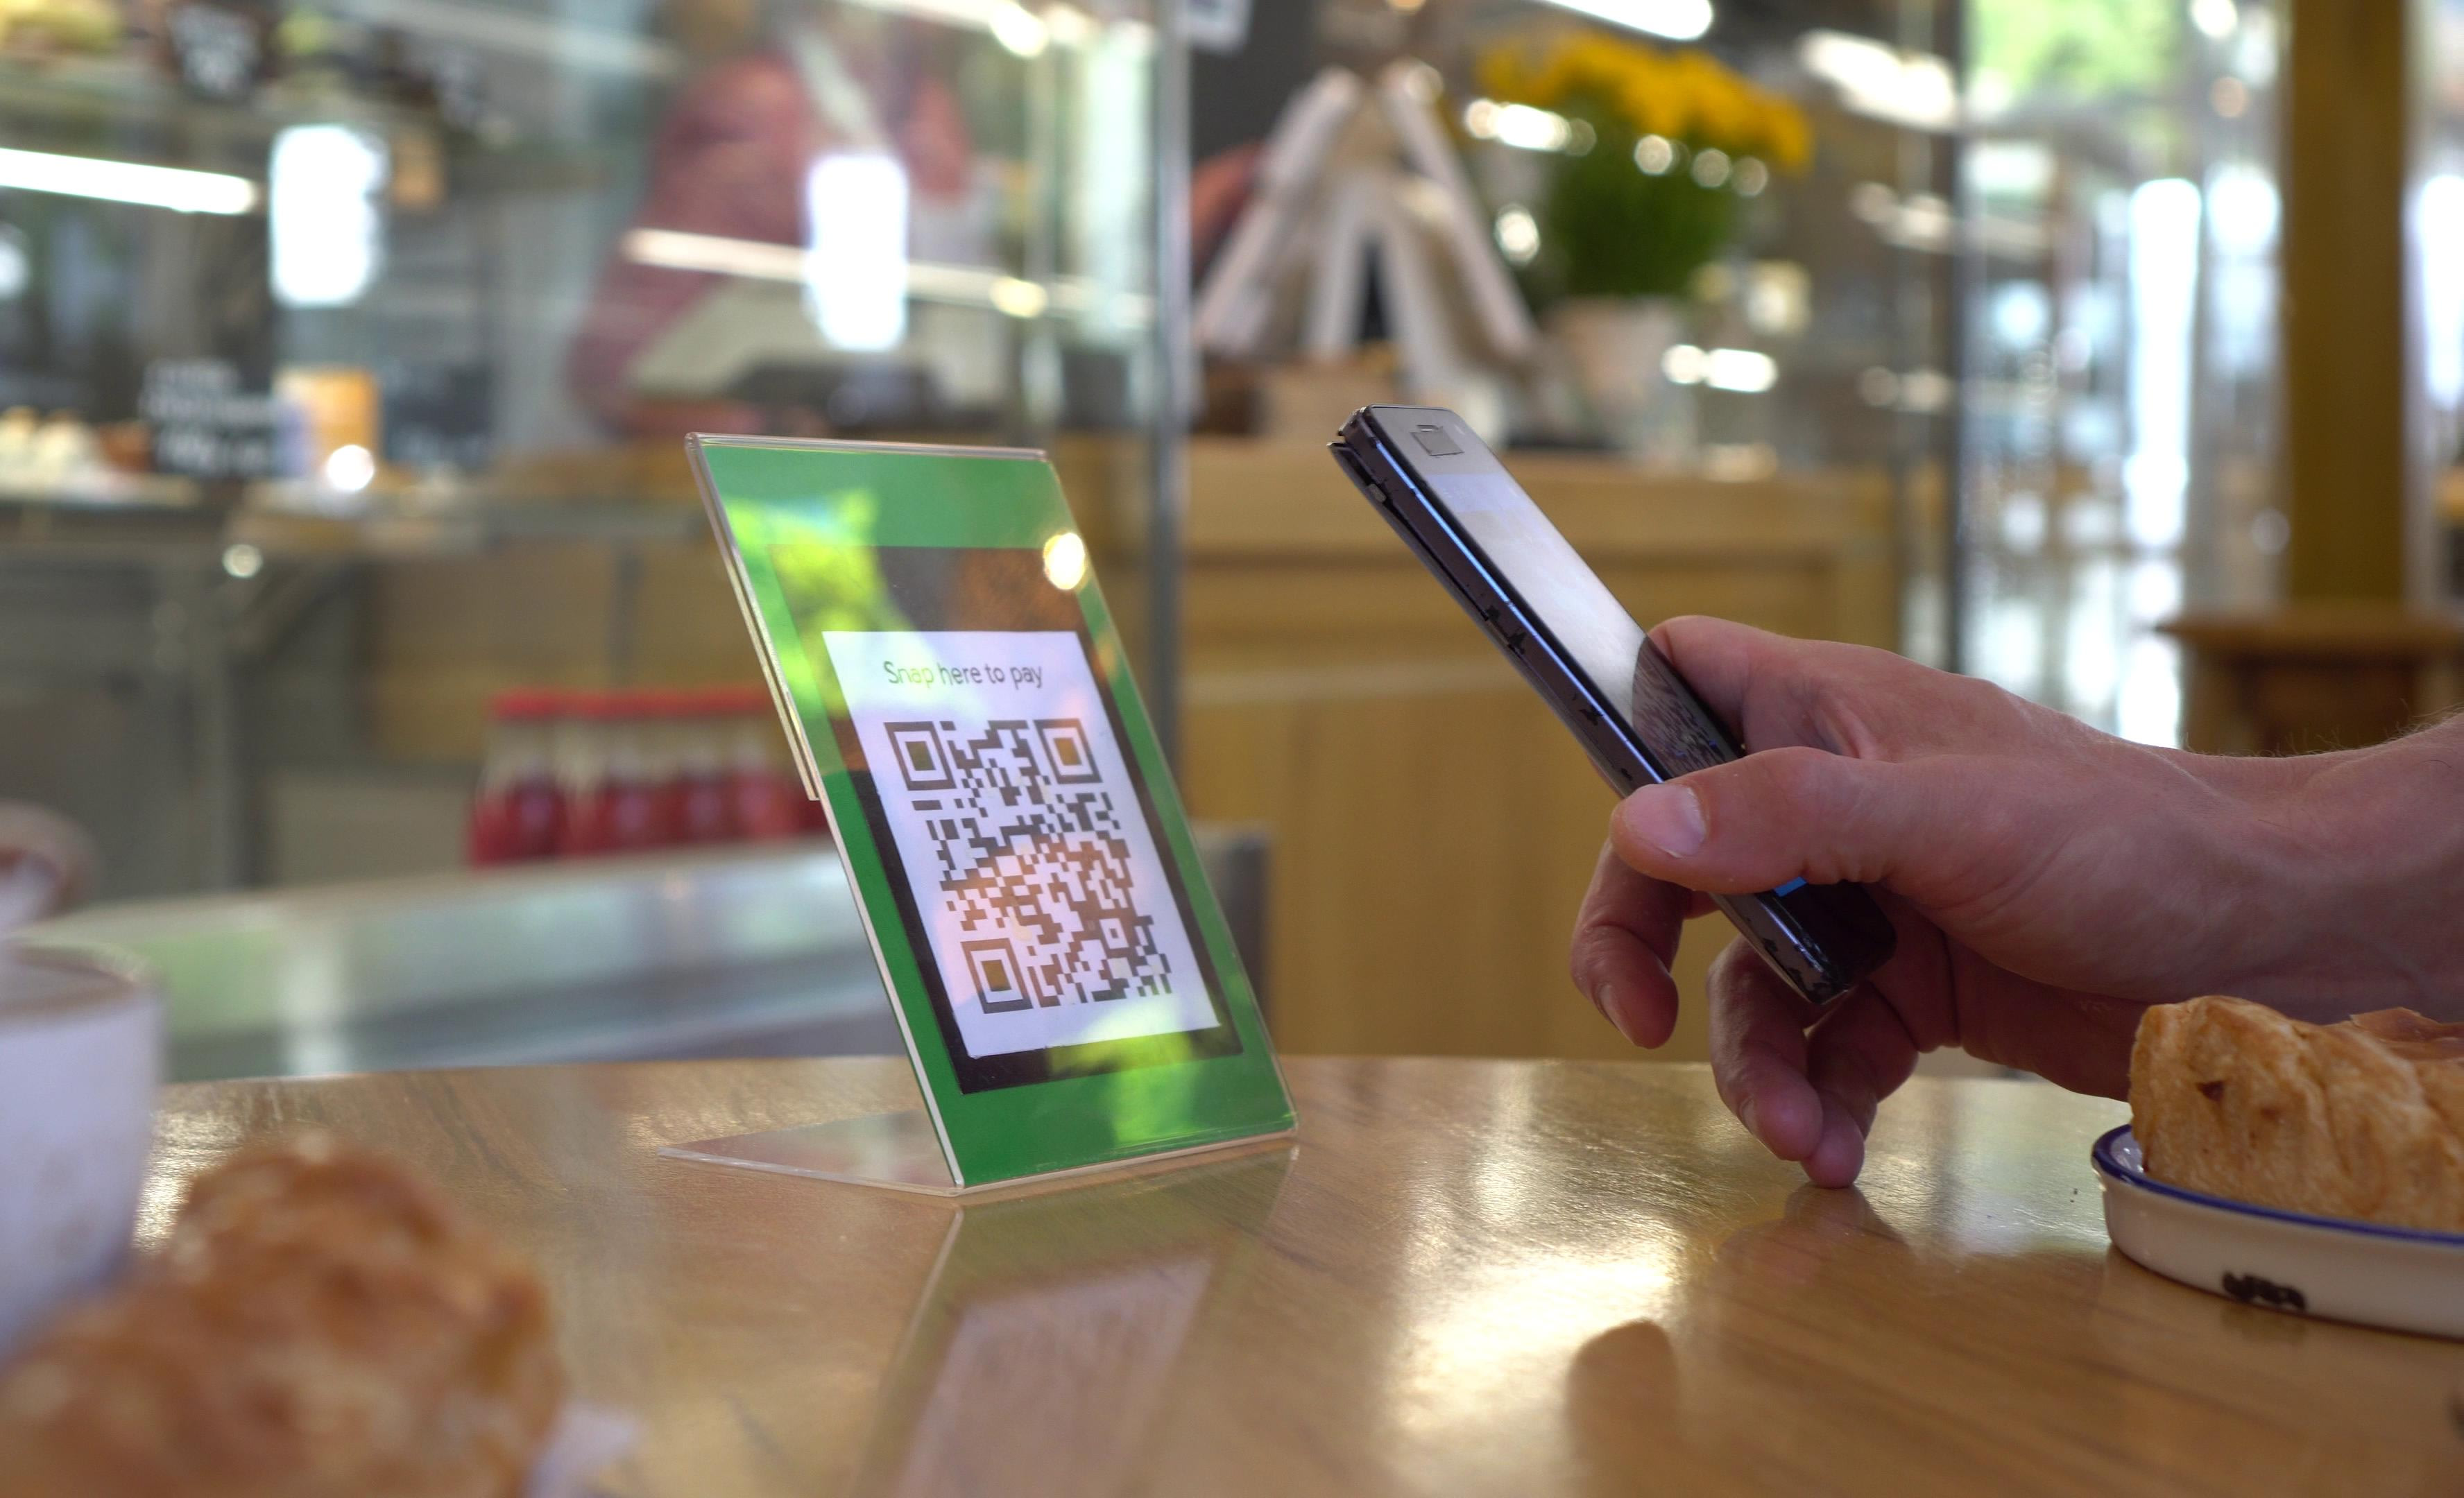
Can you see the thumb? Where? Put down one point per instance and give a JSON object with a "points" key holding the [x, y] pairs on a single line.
{"points": [[1782, 814]]}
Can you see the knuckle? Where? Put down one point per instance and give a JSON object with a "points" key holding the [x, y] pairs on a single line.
{"points": [[1594, 949], [1582, 957], [1724, 983], [1804, 780]]}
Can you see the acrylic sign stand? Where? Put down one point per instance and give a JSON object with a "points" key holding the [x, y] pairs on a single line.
{"points": [[956, 697]]}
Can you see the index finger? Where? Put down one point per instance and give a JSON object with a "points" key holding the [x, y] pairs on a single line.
{"points": [[1625, 938], [1720, 660]]}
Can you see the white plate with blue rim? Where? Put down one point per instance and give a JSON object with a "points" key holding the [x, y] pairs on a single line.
{"points": [[2403, 1278]]}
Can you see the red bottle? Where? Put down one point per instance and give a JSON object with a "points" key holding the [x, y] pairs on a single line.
{"points": [[766, 798], [700, 809], [519, 812], [614, 802]]}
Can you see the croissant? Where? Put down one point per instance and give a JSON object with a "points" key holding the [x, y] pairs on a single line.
{"points": [[319, 1322], [2361, 1120]]}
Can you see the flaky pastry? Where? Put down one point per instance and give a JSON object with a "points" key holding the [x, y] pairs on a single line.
{"points": [[319, 1322], [2362, 1119]]}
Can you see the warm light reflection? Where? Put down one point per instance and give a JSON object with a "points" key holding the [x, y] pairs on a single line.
{"points": [[1065, 560], [1525, 127], [1017, 298], [1742, 370], [1487, 1345], [1518, 235], [349, 468]]}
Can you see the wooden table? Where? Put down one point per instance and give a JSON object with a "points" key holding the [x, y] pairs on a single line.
{"points": [[1469, 1277]]}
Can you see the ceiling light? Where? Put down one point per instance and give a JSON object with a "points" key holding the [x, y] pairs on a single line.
{"points": [[1882, 82], [1740, 370], [1678, 20], [1017, 29], [327, 231], [855, 273], [173, 188]]}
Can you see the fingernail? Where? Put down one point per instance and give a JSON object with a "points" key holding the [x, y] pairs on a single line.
{"points": [[1613, 1006], [1667, 817]]}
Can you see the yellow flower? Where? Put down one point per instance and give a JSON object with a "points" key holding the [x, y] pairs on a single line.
{"points": [[1791, 141], [1653, 108], [1501, 73], [1687, 95]]}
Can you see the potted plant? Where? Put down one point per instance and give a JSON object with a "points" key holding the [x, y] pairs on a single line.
{"points": [[1665, 147]]}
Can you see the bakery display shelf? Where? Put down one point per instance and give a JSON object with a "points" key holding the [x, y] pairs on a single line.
{"points": [[466, 523], [124, 90], [50, 103], [101, 490]]}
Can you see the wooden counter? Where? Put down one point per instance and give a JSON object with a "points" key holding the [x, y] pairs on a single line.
{"points": [[1469, 1277]]}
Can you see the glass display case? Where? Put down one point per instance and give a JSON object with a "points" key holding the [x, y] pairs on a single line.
{"points": [[2119, 327], [2024, 262], [346, 347]]}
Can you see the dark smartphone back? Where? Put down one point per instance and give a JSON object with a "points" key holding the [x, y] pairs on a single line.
{"points": [[1453, 503]]}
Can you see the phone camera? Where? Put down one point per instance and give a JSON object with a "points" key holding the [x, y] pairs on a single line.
{"points": [[1435, 442]]}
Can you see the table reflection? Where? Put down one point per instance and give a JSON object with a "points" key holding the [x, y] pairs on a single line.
{"points": [[1821, 1296], [1056, 1322]]}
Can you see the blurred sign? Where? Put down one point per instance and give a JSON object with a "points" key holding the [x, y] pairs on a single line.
{"points": [[1218, 25], [440, 415], [209, 422]]}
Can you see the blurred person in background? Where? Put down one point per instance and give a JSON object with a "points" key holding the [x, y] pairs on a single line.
{"points": [[46, 863], [779, 85]]}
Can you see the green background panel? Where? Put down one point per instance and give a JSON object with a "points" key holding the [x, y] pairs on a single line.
{"points": [[798, 523]]}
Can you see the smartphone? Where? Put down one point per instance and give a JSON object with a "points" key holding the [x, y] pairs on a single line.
{"points": [[1468, 522]]}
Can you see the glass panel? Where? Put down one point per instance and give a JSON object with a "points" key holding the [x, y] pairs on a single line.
{"points": [[2120, 412], [344, 356]]}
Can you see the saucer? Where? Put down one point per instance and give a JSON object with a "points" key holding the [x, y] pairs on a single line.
{"points": [[2401, 1278]]}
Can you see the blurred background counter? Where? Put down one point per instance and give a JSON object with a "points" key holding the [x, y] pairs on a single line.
{"points": [[346, 345], [1430, 825]]}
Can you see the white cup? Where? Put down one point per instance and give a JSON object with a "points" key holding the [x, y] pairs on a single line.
{"points": [[79, 1059]]}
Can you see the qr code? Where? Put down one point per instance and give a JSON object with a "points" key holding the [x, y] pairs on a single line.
{"points": [[1031, 861]]}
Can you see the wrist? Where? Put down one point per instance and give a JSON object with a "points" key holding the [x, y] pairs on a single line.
{"points": [[2353, 877]]}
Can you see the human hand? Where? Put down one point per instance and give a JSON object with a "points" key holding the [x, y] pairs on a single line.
{"points": [[2047, 881]]}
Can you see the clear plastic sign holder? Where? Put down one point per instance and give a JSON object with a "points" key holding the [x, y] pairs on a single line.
{"points": [[956, 697]]}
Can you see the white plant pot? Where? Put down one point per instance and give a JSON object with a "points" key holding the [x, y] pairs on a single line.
{"points": [[1616, 346]]}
